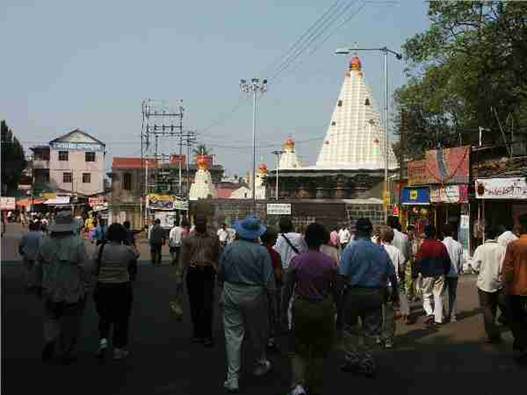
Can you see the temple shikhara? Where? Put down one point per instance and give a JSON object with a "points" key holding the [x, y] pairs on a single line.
{"points": [[352, 157], [202, 187]]}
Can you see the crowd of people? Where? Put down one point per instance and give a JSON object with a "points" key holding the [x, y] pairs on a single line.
{"points": [[315, 287]]}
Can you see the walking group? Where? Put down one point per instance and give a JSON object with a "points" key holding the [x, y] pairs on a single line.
{"points": [[315, 288]]}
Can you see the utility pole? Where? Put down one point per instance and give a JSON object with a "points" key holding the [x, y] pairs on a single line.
{"points": [[253, 87], [385, 51], [278, 153]]}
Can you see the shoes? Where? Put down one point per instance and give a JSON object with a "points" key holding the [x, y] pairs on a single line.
{"points": [[262, 368], [298, 390], [388, 344], [453, 318], [208, 342], [103, 346], [120, 353], [271, 343], [231, 385], [378, 340], [48, 351]]}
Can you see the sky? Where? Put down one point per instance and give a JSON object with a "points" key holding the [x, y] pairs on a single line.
{"points": [[69, 64]]}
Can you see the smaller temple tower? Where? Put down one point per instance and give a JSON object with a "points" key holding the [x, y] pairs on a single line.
{"points": [[202, 187], [289, 159], [261, 175]]}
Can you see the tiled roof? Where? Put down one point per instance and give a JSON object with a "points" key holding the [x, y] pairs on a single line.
{"points": [[132, 163]]}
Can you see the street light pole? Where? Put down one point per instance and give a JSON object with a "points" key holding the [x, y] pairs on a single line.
{"points": [[253, 87], [385, 51], [277, 153]]}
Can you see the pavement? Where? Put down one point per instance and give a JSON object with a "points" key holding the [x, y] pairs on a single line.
{"points": [[450, 359]]}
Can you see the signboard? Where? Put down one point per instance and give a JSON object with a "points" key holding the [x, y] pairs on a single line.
{"points": [[58, 201], [442, 166], [167, 218], [165, 202], [415, 196], [98, 203], [278, 208], [7, 203], [501, 188], [449, 194], [63, 146]]}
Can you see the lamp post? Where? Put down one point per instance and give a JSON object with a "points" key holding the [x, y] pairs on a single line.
{"points": [[385, 51], [277, 153], [253, 87]]}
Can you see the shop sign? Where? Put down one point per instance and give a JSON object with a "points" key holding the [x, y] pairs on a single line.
{"points": [[65, 146], [167, 218], [58, 201], [7, 203], [449, 194], [442, 166], [156, 201], [98, 203], [415, 196], [278, 208], [501, 188]]}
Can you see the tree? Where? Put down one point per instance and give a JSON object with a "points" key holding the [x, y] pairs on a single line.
{"points": [[468, 67], [201, 149], [13, 160]]}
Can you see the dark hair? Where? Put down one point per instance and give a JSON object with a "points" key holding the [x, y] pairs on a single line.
{"points": [[491, 232], [285, 225], [269, 235], [126, 224], [393, 222], [448, 230], [184, 223], [430, 231], [363, 227], [157, 221], [387, 234], [522, 219], [117, 233], [316, 235], [34, 225]]}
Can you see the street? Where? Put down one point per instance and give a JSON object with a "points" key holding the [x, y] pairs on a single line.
{"points": [[451, 359]]}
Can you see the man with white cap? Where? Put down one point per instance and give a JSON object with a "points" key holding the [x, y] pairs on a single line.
{"points": [[248, 279], [63, 274]]}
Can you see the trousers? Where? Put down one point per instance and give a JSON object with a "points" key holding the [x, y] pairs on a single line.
{"points": [[313, 336], [62, 322], [113, 303], [451, 288], [388, 312], [245, 309], [200, 287], [518, 321], [156, 253], [433, 288]]}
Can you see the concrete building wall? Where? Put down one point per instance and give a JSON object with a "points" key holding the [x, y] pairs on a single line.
{"points": [[77, 165]]}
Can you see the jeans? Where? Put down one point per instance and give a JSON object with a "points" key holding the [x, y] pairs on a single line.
{"points": [[489, 301], [156, 252], [518, 321], [175, 252], [451, 287], [434, 287], [313, 334], [245, 308], [62, 322], [200, 286], [113, 303]]}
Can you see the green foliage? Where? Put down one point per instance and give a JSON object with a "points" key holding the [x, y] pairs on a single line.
{"points": [[470, 62], [201, 149], [13, 160]]}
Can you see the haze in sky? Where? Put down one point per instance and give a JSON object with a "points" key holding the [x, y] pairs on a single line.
{"points": [[70, 64]]}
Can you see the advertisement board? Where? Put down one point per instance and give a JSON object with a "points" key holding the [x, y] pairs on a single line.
{"points": [[165, 202], [278, 208], [501, 188], [449, 193], [167, 218], [418, 196], [441, 166], [7, 203]]}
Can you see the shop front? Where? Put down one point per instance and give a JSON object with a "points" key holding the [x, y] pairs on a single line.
{"points": [[415, 202]]}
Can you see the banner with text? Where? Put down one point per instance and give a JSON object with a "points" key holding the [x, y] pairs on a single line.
{"points": [[442, 166], [501, 188]]}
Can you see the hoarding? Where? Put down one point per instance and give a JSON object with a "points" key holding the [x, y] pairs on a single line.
{"points": [[449, 194], [7, 203], [165, 202], [418, 196], [501, 188], [442, 166], [278, 208]]}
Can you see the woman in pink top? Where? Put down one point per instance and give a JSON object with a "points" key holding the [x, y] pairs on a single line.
{"points": [[312, 275]]}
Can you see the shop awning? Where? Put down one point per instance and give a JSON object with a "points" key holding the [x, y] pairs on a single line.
{"points": [[29, 202]]}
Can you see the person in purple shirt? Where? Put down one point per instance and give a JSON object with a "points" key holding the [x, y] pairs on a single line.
{"points": [[312, 276]]}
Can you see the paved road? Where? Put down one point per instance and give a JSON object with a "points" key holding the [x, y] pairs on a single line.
{"points": [[452, 359]]}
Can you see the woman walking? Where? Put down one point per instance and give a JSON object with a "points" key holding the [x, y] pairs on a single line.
{"points": [[116, 267], [312, 275]]}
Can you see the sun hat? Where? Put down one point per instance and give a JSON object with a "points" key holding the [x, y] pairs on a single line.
{"points": [[64, 222], [249, 228]]}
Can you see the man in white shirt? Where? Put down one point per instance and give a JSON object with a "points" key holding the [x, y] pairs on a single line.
{"points": [[223, 235], [455, 251], [507, 235], [344, 237], [289, 243], [174, 241], [488, 260]]}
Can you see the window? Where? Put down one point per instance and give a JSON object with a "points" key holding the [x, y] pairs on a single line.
{"points": [[367, 102], [333, 123], [127, 181], [67, 178], [89, 156], [339, 103], [86, 178], [63, 155]]}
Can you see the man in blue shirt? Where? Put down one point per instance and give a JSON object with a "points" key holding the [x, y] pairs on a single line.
{"points": [[366, 268]]}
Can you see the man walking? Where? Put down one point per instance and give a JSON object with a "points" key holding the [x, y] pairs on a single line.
{"points": [[433, 264], [455, 252], [289, 243], [63, 274], [507, 235], [366, 268], [515, 281], [344, 237], [248, 287], [199, 257], [175, 237], [223, 235], [28, 248], [156, 239], [487, 261]]}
